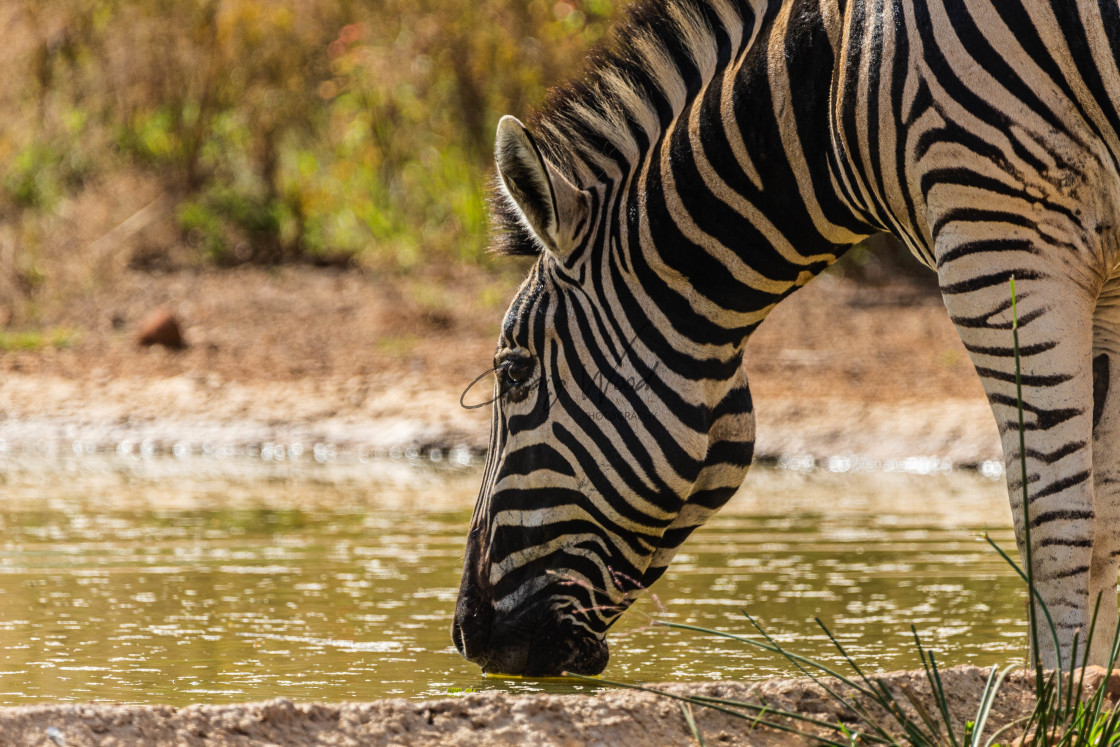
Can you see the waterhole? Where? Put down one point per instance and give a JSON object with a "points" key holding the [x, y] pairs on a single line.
{"points": [[203, 580]]}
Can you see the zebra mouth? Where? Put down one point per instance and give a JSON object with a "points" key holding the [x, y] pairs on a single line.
{"points": [[566, 649], [531, 645]]}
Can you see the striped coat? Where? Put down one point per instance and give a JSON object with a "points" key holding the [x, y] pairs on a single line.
{"points": [[717, 156]]}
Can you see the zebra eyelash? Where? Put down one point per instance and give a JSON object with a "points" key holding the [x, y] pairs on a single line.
{"points": [[499, 370]]}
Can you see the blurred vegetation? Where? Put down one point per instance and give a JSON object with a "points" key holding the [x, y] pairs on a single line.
{"points": [[328, 131], [37, 340], [277, 130]]}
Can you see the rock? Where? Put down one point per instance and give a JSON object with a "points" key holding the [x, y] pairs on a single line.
{"points": [[161, 327], [1093, 678]]}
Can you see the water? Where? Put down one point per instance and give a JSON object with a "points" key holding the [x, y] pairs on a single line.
{"points": [[214, 580]]}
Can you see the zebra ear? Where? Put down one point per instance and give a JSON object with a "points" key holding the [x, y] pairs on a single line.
{"points": [[552, 207]]}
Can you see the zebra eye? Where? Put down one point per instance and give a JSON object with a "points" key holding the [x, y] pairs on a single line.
{"points": [[515, 370], [518, 371]]}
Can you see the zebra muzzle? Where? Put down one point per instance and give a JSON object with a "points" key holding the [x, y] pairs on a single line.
{"points": [[534, 642]]}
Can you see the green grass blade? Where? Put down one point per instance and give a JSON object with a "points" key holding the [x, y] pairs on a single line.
{"points": [[771, 645], [882, 695], [849, 703], [762, 710], [1004, 729], [987, 700], [942, 701], [923, 713], [1032, 594], [937, 689], [801, 663], [756, 718], [867, 690], [839, 647], [1066, 708], [686, 710]]}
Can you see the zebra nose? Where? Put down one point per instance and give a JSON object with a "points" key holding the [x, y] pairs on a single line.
{"points": [[528, 644], [470, 630], [535, 638], [489, 646], [560, 648]]}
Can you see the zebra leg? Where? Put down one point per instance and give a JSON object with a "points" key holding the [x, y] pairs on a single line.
{"points": [[1055, 338], [1106, 462]]}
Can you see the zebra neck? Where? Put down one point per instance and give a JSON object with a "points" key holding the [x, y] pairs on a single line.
{"points": [[736, 204]]}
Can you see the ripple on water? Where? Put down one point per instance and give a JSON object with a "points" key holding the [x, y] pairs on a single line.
{"points": [[166, 583]]}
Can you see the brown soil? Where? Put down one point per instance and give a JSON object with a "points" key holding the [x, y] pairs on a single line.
{"points": [[619, 717], [303, 353]]}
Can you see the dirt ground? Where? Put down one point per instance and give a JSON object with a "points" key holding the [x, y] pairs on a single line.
{"points": [[305, 354], [615, 718], [322, 355]]}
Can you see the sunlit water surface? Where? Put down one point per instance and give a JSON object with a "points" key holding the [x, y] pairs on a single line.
{"points": [[207, 580]]}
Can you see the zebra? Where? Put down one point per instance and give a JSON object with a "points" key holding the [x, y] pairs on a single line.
{"points": [[713, 158]]}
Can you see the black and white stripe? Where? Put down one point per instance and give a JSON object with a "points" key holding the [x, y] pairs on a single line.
{"points": [[713, 159]]}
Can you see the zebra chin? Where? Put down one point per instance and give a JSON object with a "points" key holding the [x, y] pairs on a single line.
{"points": [[533, 642]]}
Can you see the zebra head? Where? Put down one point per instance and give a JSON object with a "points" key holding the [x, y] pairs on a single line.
{"points": [[614, 433]]}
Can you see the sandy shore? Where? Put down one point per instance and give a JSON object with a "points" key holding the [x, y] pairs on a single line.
{"points": [[614, 718]]}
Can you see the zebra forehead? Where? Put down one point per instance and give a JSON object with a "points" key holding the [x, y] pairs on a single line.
{"points": [[525, 307]]}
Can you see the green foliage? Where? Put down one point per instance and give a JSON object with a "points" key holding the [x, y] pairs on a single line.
{"points": [[41, 173], [286, 129], [36, 340], [460, 690]]}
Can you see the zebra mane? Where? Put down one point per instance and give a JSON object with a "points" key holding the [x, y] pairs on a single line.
{"points": [[598, 126]]}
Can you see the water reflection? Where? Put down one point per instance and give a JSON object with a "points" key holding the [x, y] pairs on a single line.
{"points": [[148, 582]]}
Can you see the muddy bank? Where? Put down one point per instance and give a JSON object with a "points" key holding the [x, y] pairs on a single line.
{"points": [[199, 413], [304, 356], [617, 717], [376, 416]]}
